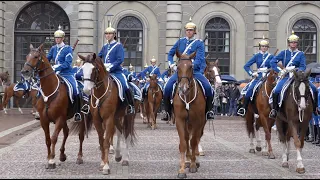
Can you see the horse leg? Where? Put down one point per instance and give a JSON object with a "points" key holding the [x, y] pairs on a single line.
{"points": [[118, 155], [182, 147], [81, 139], [100, 131], [194, 144], [188, 153], [45, 126], [63, 156], [297, 142], [267, 137], [125, 161], [111, 149], [109, 126], [17, 103], [201, 153], [7, 96], [59, 125]]}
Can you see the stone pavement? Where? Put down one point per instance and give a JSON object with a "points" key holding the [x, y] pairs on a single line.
{"points": [[156, 155]]}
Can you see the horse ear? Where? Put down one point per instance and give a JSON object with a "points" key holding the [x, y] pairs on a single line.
{"points": [[216, 62], [94, 55], [178, 54], [193, 55], [40, 47], [295, 74], [207, 62], [308, 72], [31, 47], [81, 57]]}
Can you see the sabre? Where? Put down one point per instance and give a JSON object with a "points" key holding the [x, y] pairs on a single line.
{"points": [[75, 44]]}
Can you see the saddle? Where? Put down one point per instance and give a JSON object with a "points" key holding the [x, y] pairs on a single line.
{"points": [[258, 86]]}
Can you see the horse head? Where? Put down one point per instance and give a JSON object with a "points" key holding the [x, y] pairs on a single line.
{"points": [[4, 76], [212, 72], [271, 79], [185, 72], [94, 72], [153, 81], [36, 62], [301, 88]]}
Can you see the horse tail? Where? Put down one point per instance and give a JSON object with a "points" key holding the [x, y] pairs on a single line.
{"points": [[128, 128], [249, 121], [78, 127]]}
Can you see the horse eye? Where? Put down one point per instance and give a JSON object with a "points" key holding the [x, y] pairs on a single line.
{"points": [[36, 57]]}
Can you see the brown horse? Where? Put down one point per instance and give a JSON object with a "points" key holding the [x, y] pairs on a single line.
{"points": [[153, 101], [4, 78], [294, 115], [263, 109], [189, 110], [212, 73], [54, 94], [9, 92], [107, 111]]}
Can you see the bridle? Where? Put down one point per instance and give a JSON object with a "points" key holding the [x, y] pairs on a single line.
{"points": [[94, 78], [35, 69], [188, 78]]}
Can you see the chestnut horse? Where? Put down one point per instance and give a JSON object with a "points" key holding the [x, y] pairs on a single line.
{"points": [[261, 103], [294, 115], [4, 78], [107, 110], [54, 95], [153, 101], [189, 110], [9, 92]]}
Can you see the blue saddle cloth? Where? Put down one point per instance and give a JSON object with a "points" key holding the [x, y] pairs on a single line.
{"points": [[84, 96], [136, 91], [20, 86]]}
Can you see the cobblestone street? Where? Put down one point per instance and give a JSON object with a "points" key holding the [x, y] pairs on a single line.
{"points": [[156, 155]]}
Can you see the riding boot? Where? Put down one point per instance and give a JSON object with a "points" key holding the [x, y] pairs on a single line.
{"points": [[129, 99], [318, 142], [166, 117], [167, 108], [242, 111], [315, 105], [209, 105], [77, 104], [275, 106]]}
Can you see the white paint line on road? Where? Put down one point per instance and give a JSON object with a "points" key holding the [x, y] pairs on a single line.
{"points": [[9, 131]]}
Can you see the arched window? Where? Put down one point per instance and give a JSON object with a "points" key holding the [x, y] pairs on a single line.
{"points": [[217, 45], [307, 32], [130, 33], [35, 25]]}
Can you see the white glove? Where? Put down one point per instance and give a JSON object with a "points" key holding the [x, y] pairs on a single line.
{"points": [[290, 68], [166, 79], [54, 67], [160, 80], [255, 74], [265, 69], [282, 72], [108, 66], [148, 79], [173, 66]]}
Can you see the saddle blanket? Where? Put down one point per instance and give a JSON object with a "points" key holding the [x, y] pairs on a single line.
{"points": [[245, 89], [259, 83], [283, 91], [121, 92], [35, 86], [136, 91], [20, 87], [174, 87]]}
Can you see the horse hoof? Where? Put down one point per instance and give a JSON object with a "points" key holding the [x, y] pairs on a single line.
{"points": [[285, 165], [271, 156], [201, 153], [252, 151], [197, 164], [111, 151], [79, 161], [182, 175], [258, 149], [301, 170], [51, 166], [63, 158], [125, 163], [105, 171], [118, 159], [193, 170], [187, 164]]}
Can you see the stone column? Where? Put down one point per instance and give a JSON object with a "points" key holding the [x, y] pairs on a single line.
{"points": [[86, 28], [2, 36], [174, 20], [261, 22]]}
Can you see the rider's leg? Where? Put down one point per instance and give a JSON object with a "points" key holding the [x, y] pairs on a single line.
{"points": [[242, 111], [209, 94], [167, 94], [315, 95], [275, 98]]}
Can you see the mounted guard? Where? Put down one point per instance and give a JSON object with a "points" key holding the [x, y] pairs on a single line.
{"points": [[131, 77], [188, 45], [62, 56], [292, 59], [112, 54], [262, 60]]}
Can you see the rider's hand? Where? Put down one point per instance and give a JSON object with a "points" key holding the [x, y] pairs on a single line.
{"points": [[54, 67], [173, 66], [108, 66], [282, 72]]}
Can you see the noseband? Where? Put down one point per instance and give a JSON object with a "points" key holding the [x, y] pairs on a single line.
{"points": [[94, 79]]}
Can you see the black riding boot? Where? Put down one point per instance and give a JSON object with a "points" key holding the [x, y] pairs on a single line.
{"points": [[77, 104], [129, 99], [209, 106], [275, 106], [315, 105], [242, 111], [318, 130], [144, 95], [167, 108]]}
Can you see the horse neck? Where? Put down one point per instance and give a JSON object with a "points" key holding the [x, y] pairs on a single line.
{"points": [[49, 80]]}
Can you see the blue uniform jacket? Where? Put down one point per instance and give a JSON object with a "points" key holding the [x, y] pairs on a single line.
{"points": [[164, 74], [258, 58], [199, 61], [64, 59], [150, 70], [78, 73], [115, 57], [285, 57]]}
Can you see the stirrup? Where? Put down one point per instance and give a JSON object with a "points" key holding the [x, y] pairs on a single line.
{"points": [[131, 109], [239, 112], [273, 114], [83, 109], [75, 117], [208, 113]]}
